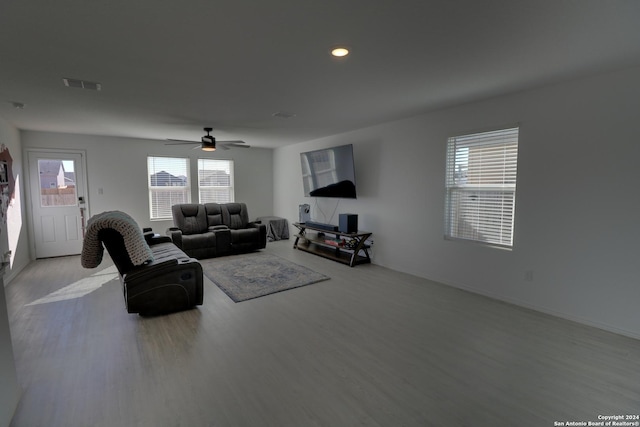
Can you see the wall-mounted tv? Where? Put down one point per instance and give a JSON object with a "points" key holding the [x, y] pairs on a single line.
{"points": [[329, 172]]}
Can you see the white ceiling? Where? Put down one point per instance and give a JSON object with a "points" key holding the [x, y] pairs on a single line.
{"points": [[168, 68]]}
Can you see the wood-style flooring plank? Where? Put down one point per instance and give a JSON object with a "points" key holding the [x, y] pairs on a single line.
{"points": [[370, 347]]}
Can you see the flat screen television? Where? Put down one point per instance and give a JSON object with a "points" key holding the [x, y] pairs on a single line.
{"points": [[329, 172]]}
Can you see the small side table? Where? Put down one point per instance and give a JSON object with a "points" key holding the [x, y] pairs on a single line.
{"points": [[277, 228]]}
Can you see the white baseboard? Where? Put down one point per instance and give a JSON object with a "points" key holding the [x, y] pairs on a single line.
{"points": [[545, 310], [15, 270]]}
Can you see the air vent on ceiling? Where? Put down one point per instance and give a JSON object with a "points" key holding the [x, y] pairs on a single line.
{"points": [[283, 115], [82, 84]]}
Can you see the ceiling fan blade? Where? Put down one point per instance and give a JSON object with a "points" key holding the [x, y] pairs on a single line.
{"points": [[229, 142], [208, 139], [180, 142]]}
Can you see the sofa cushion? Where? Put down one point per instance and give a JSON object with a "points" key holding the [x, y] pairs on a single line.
{"points": [[246, 235], [214, 214], [235, 215], [191, 218]]}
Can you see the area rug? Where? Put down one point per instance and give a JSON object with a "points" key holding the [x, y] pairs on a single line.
{"points": [[253, 275]]}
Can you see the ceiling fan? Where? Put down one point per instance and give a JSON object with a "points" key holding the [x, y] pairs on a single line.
{"points": [[208, 142]]}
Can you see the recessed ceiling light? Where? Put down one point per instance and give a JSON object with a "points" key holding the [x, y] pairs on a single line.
{"points": [[340, 51]]}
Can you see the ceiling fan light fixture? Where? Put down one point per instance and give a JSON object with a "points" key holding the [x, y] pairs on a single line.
{"points": [[208, 144]]}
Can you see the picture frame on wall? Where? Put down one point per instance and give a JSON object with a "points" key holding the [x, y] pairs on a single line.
{"points": [[4, 173]]}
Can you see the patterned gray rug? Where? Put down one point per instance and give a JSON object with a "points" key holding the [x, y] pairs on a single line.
{"points": [[253, 275]]}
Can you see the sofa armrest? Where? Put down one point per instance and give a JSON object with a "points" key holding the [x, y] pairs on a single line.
{"points": [[157, 238], [223, 238], [167, 286], [263, 232], [153, 238], [175, 234]]}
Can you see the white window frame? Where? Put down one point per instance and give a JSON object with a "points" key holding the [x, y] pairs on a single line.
{"points": [[176, 193], [207, 193], [481, 175]]}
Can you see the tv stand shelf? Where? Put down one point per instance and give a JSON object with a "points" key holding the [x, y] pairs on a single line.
{"points": [[354, 252]]}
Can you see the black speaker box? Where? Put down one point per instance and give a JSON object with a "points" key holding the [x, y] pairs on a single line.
{"points": [[348, 223]]}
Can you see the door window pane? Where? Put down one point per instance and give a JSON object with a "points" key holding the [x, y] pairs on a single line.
{"points": [[57, 183]]}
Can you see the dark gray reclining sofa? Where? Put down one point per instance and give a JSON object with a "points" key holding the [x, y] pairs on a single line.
{"points": [[157, 277], [215, 229]]}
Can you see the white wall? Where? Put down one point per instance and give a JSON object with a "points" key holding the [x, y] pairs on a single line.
{"points": [[118, 166], [577, 226], [12, 236], [9, 390], [13, 224]]}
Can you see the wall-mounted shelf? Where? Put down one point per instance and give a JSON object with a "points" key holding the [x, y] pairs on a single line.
{"points": [[4, 172]]}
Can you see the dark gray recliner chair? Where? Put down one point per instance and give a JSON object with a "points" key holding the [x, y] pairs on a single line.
{"points": [[191, 231], [246, 236]]}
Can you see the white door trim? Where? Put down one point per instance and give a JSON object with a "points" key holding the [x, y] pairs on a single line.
{"points": [[27, 187]]}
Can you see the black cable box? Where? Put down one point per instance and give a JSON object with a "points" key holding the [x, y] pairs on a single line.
{"points": [[321, 226]]}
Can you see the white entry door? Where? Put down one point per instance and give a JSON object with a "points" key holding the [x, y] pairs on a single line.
{"points": [[58, 207]]}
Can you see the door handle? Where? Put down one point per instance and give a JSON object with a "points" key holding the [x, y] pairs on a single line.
{"points": [[82, 219]]}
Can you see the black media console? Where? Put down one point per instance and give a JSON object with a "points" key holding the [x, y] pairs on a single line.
{"points": [[347, 248]]}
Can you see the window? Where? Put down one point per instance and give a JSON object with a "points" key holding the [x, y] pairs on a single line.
{"points": [[215, 181], [168, 185], [481, 187], [57, 182]]}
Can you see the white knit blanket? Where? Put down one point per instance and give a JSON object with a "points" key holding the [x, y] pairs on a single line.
{"points": [[135, 244]]}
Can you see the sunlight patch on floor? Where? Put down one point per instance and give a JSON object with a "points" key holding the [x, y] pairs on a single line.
{"points": [[80, 288]]}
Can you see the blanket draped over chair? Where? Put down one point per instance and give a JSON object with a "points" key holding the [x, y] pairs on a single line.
{"points": [[135, 244]]}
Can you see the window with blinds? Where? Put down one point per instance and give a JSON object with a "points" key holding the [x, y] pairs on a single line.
{"points": [[168, 185], [481, 187], [215, 181]]}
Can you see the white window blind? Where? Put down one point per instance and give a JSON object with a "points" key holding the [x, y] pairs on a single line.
{"points": [[481, 186], [168, 184], [215, 181]]}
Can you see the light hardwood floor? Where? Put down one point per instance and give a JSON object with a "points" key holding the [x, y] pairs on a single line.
{"points": [[369, 347]]}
